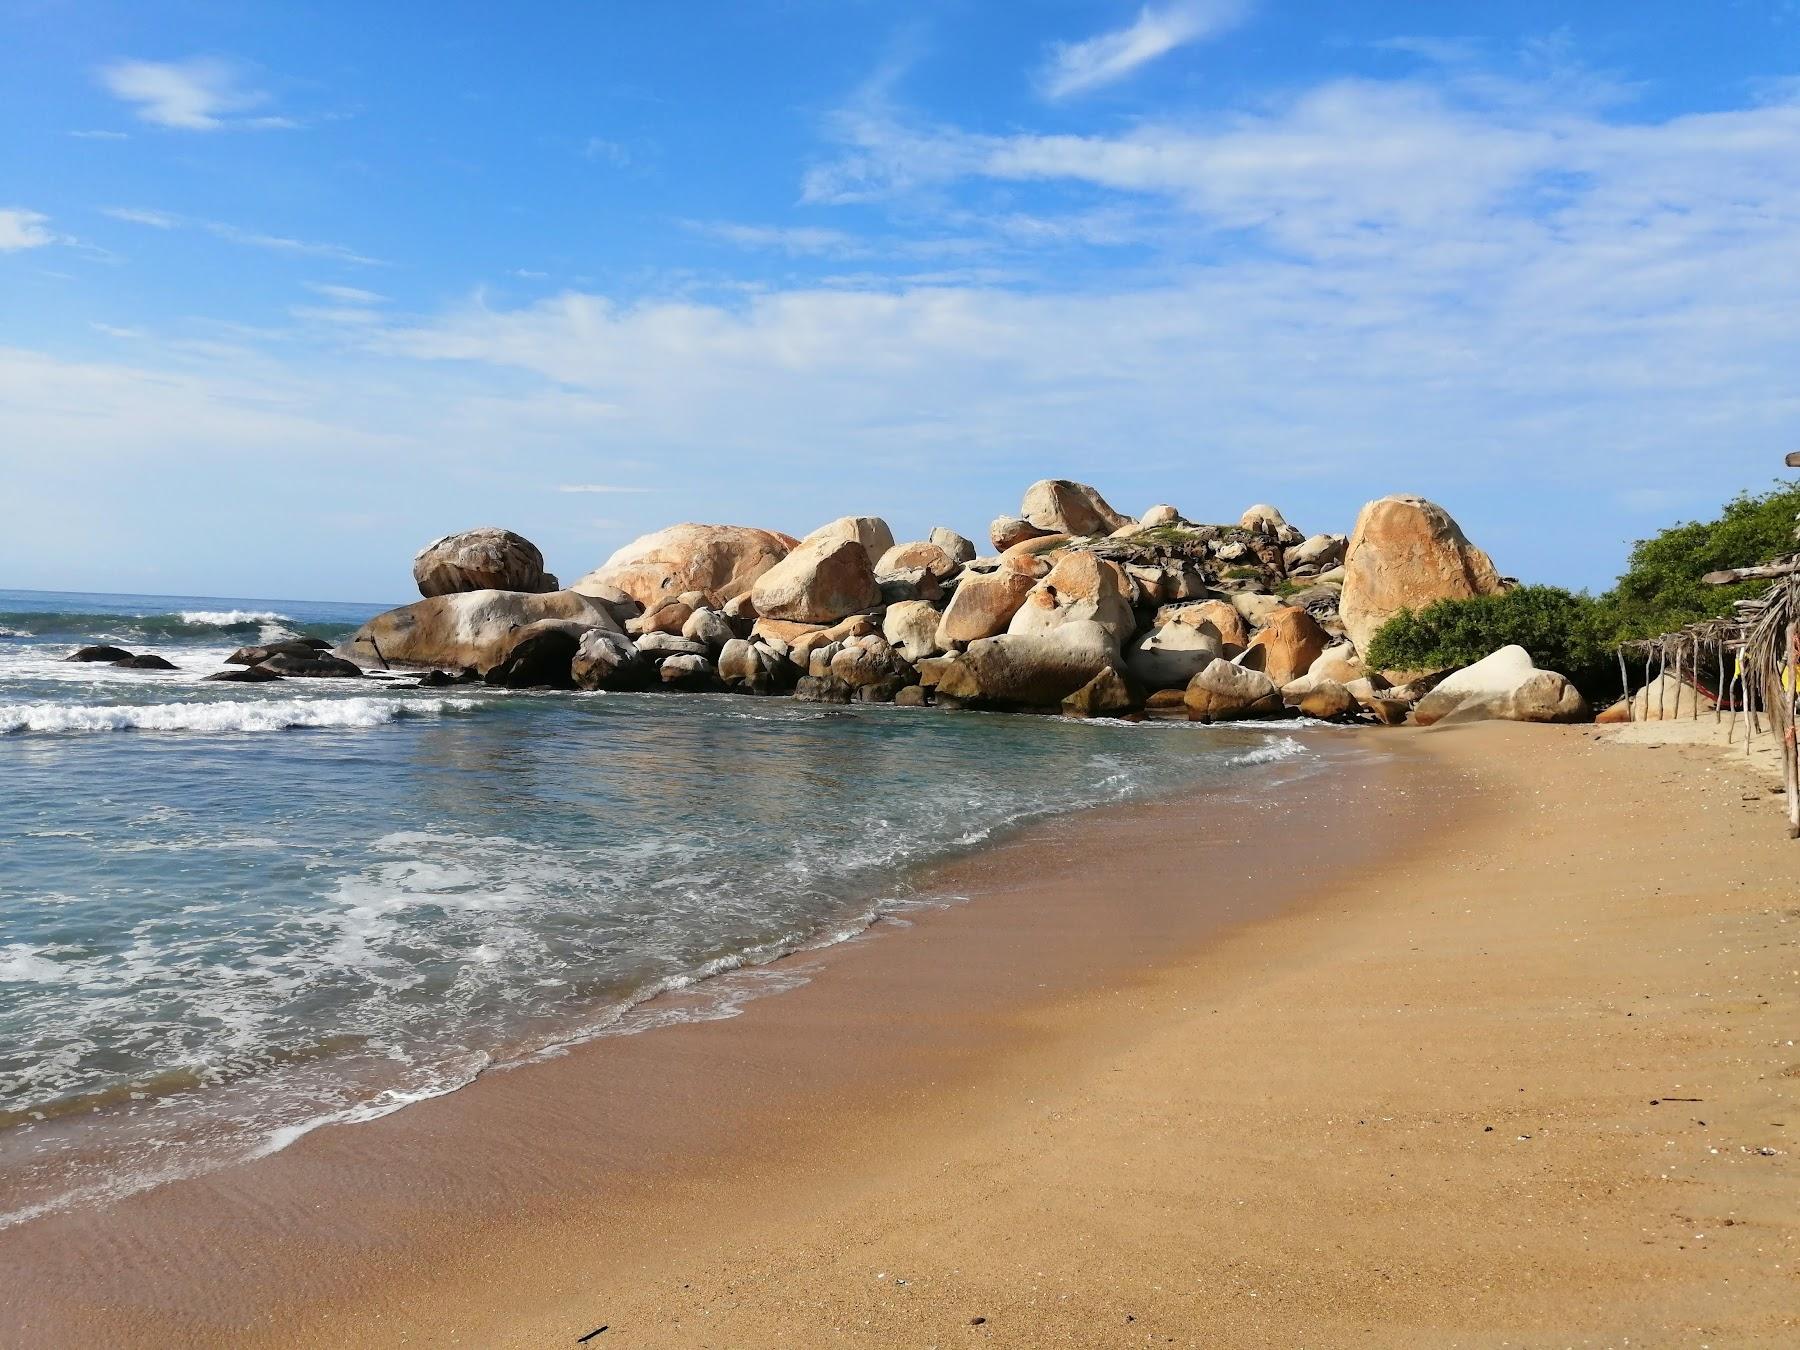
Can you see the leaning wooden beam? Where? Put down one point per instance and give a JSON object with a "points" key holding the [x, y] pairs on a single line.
{"points": [[1785, 568]]}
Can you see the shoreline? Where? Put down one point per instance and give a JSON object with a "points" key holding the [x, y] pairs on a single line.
{"points": [[968, 889], [1061, 1154]]}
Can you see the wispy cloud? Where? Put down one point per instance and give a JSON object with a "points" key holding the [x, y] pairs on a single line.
{"points": [[113, 331], [138, 215], [1076, 67], [600, 487], [101, 135], [599, 148], [22, 229], [347, 295], [201, 94], [798, 239], [236, 234]]}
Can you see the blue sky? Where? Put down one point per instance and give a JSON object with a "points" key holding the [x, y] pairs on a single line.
{"points": [[285, 291]]}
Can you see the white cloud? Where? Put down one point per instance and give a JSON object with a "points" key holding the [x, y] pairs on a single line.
{"points": [[201, 94], [136, 215], [23, 229], [280, 244], [115, 332], [100, 135], [785, 239], [165, 220], [349, 295], [599, 487], [1076, 67]]}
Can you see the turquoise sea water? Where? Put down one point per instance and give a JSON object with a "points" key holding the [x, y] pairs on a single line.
{"points": [[230, 913]]}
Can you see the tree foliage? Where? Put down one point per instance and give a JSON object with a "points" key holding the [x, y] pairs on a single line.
{"points": [[1661, 588]]}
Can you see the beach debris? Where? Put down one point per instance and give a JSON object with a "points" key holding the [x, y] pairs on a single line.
{"points": [[583, 1340]]}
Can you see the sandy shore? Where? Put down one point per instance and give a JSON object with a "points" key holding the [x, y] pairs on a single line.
{"points": [[1490, 1043]]}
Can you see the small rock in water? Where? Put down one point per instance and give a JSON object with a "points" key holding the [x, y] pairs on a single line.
{"points": [[99, 654], [246, 675], [313, 665], [146, 661], [255, 656]]}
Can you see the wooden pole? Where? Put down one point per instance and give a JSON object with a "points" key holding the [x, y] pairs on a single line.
{"points": [[1790, 757]]}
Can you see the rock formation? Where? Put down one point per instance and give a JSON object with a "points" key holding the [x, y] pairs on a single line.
{"points": [[1506, 686], [721, 560], [1405, 553], [484, 559]]}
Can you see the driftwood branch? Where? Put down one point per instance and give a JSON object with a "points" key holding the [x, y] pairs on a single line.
{"points": [[1785, 568]]}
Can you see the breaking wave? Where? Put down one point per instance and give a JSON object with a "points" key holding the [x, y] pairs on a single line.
{"points": [[176, 626], [233, 716]]}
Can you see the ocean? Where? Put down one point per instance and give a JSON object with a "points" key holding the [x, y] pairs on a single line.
{"points": [[232, 913]]}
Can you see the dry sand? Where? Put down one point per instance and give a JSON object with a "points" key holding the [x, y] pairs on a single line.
{"points": [[1496, 1046]]}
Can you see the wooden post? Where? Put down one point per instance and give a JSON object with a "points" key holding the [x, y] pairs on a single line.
{"points": [[1790, 754]]}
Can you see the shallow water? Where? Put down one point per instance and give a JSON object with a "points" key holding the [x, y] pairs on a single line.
{"points": [[229, 913]]}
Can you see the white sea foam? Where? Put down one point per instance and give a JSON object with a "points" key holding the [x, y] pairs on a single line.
{"points": [[226, 618], [1272, 753], [26, 965], [231, 716]]}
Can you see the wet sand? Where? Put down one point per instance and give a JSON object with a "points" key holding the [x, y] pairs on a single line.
{"points": [[1399, 1055]]}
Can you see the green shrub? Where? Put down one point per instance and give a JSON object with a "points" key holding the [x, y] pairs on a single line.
{"points": [[1560, 629]]}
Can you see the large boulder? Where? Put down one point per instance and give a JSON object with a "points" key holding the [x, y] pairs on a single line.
{"points": [[983, 605], [721, 560], [485, 559], [1106, 695], [1262, 519], [911, 628], [871, 532], [1319, 552], [921, 554], [1032, 670], [1006, 531], [959, 547], [1405, 553], [1667, 698], [1321, 697], [1339, 662], [472, 628], [1080, 587], [1287, 644], [607, 660], [1160, 514], [1061, 506], [1223, 692], [708, 626], [1255, 607], [1504, 686], [1170, 656], [1219, 617], [822, 580], [541, 655], [754, 666]]}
